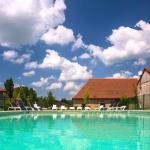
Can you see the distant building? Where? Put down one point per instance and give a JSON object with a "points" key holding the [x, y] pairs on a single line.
{"points": [[106, 91], [2, 91], [143, 89]]}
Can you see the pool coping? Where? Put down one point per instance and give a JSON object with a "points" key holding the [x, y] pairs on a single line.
{"points": [[6, 113]]}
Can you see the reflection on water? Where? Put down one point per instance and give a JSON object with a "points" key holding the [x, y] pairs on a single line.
{"points": [[76, 131]]}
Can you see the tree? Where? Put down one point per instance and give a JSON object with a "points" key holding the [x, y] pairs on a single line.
{"points": [[32, 97], [28, 96], [50, 98], [86, 97], [124, 100], [9, 86]]}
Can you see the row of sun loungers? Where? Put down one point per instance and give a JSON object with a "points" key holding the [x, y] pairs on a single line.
{"points": [[21, 106]]}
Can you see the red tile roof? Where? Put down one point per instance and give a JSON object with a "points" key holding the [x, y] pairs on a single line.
{"points": [[2, 90], [108, 88]]}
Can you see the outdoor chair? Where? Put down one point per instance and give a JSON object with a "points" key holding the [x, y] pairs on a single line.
{"points": [[87, 108], [54, 107], [79, 108], [36, 107], [71, 108], [14, 107], [63, 107]]}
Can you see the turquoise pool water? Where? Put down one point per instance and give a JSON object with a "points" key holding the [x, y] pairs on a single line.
{"points": [[75, 131]]}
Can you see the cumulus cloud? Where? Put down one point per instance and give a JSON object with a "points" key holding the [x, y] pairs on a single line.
{"points": [[15, 58], [10, 54], [61, 35], [75, 58], [127, 43], [122, 74], [42, 82], [72, 87], [31, 65], [55, 85], [24, 22], [84, 56], [69, 70], [78, 42], [30, 73], [139, 62]]}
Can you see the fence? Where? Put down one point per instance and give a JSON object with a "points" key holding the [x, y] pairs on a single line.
{"points": [[144, 101]]}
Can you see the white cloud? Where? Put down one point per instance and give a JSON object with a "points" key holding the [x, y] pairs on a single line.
{"points": [[61, 35], [53, 86], [127, 43], [42, 82], [69, 70], [31, 65], [122, 74], [78, 42], [75, 58], [10, 54], [84, 56], [21, 59], [140, 62], [30, 73], [14, 57], [24, 22], [140, 72], [72, 87]]}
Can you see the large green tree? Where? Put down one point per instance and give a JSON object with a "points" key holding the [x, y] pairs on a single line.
{"points": [[32, 96], [50, 98], [28, 96], [9, 86]]}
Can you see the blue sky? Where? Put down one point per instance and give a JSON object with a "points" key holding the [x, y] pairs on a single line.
{"points": [[59, 45]]}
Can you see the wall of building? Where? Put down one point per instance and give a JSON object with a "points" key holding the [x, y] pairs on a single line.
{"points": [[93, 103], [1, 100], [144, 91]]}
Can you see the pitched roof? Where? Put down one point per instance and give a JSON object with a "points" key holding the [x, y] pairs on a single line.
{"points": [[2, 90], [145, 69], [108, 88]]}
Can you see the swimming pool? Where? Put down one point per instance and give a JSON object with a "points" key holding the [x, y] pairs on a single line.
{"points": [[76, 131]]}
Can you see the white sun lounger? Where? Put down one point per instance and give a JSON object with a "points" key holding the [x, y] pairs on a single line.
{"points": [[63, 107], [14, 107], [121, 108], [54, 107], [79, 108], [72, 108], [36, 107], [87, 108]]}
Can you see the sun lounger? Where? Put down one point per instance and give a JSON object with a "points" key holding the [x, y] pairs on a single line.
{"points": [[79, 108], [63, 107], [36, 107], [23, 107], [14, 107], [101, 107], [121, 108], [72, 108], [54, 107], [87, 108]]}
